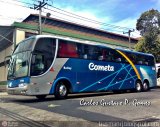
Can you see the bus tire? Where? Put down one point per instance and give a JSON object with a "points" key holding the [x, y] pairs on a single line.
{"points": [[145, 85], [138, 86], [41, 97], [61, 90]]}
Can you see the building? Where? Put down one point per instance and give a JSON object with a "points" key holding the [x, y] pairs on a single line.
{"points": [[12, 35]]}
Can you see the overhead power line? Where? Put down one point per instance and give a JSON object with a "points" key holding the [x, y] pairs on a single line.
{"points": [[10, 18], [13, 3], [22, 2], [69, 14], [84, 18], [72, 15]]}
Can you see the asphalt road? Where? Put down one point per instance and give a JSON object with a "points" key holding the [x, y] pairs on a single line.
{"points": [[95, 109]]}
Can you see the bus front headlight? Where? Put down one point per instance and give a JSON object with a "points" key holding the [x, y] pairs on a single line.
{"points": [[22, 85]]}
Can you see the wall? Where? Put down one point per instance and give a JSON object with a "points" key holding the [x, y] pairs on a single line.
{"points": [[3, 69], [19, 36]]}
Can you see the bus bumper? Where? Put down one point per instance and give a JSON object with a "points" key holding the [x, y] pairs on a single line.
{"points": [[17, 91]]}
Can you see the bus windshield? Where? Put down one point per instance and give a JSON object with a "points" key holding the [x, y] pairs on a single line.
{"points": [[19, 62], [19, 65]]}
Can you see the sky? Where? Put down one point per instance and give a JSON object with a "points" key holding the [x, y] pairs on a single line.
{"points": [[115, 16]]}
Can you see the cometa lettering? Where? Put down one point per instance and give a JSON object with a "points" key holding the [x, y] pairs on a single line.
{"points": [[92, 67]]}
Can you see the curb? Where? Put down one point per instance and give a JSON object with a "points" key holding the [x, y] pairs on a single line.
{"points": [[2, 88], [3, 93]]}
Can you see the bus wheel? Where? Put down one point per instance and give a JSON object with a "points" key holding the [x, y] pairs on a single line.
{"points": [[138, 86], [41, 97], [61, 91], [145, 86]]}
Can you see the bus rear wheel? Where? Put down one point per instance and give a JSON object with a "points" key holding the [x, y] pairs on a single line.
{"points": [[145, 86], [61, 90], [41, 97], [138, 86]]}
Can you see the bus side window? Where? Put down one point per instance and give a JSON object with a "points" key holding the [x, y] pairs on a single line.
{"points": [[131, 56], [109, 55], [67, 49], [92, 52], [140, 59], [80, 50], [84, 53], [150, 61], [117, 57], [139, 62]]}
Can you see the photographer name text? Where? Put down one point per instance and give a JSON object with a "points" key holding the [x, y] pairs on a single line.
{"points": [[124, 102]]}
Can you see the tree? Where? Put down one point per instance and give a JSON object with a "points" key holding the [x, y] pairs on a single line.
{"points": [[149, 26], [146, 45], [149, 21]]}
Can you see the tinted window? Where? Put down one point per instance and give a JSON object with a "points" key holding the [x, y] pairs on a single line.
{"points": [[149, 60], [43, 55], [67, 49], [89, 52], [141, 59], [131, 56]]}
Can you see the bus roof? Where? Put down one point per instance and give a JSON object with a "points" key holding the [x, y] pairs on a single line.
{"points": [[89, 42], [128, 50], [135, 52]]}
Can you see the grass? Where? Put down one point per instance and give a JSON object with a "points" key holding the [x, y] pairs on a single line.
{"points": [[3, 82]]}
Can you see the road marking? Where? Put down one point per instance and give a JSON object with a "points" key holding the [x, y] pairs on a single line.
{"points": [[52, 105]]}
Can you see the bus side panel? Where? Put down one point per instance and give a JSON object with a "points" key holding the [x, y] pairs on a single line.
{"points": [[85, 79], [76, 71], [43, 84], [149, 73], [123, 77]]}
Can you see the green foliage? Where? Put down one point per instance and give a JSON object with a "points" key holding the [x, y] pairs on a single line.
{"points": [[149, 21], [140, 45], [147, 45], [149, 26], [3, 82]]}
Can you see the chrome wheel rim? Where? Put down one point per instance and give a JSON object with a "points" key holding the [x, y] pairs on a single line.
{"points": [[62, 90], [138, 87], [145, 86]]}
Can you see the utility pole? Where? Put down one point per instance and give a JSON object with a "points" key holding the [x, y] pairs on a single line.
{"points": [[39, 7], [129, 36]]}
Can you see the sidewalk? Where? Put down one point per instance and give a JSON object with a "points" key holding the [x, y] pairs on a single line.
{"points": [[2, 88], [3, 93]]}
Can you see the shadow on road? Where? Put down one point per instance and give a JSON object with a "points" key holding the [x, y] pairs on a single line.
{"points": [[32, 99]]}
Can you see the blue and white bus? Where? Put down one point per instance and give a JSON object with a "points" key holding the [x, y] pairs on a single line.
{"points": [[47, 65]]}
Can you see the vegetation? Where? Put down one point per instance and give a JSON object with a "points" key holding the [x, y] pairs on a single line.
{"points": [[149, 26], [3, 82]]}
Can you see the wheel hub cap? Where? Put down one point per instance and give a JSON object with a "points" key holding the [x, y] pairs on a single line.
{"points": [[62, 90], [138, 86]]}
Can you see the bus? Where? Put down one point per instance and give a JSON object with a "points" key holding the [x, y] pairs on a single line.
{"points": [[158, 69], [44, 65]]}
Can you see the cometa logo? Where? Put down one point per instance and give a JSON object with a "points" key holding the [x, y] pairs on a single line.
{"points": [[92, 67]]}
